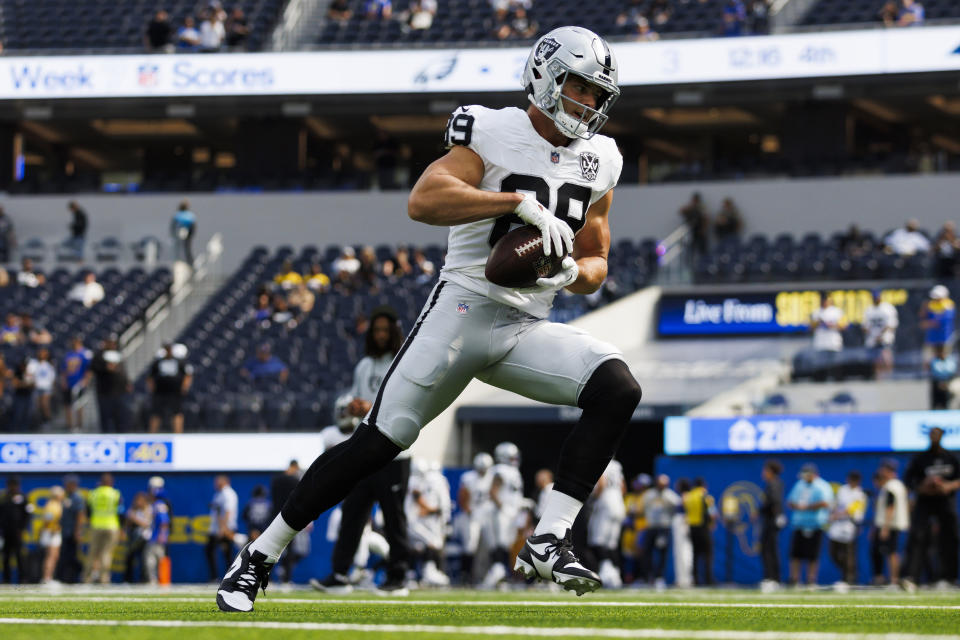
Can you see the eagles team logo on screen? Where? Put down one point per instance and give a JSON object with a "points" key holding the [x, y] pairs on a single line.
{"points": [[545, 50], [589, 165]]}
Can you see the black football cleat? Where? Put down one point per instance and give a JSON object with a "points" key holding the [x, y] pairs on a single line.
{"points": [[249, 573], [550, 558]]}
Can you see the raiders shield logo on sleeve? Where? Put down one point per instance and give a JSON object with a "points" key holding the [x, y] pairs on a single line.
{"points": [[545, 50], [589, 165]]}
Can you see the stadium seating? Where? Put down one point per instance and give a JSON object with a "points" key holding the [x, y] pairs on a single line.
{"points": [[812, 258], [321, 351], [856, 11], [107, 25], [471, 21]]}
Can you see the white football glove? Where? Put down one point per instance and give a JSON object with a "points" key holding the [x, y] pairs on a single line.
{"points": [[557, 234], [569, 271]]}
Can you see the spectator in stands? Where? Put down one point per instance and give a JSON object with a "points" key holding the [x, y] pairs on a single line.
{"points": [[301, 300], [8, 238], [347, 263], [888, 13], [936, 319], [659, 505], [21, 410], [339, 11], [758, 17], [237, 30], [521, 26], [880, 322], [827, 324], [420, 14], [660, 12], [51, 537], [212, 32], [32, 333], [853, 243], [734, 18], [169, 381], [728, 223], [159, 34], [262, 308], [934, 477], [183, 227], [772, 520], [643, 32], [15, 512], [911, 14], [631, 15], [288, 278], [72, 524], [89, 292], [73, 382], [79, 222], [265, 367], [139, 522], [4, 277], [946, 247], [10, 332], [369, 269], [845, 520], [44, 376], [890, 521], [258, 512], [188, 38], [501, 23], [113, 385], [282, 314], [378, 9], [317, 281], [695, 216], [810, 500], [224, 509], [29, 278], [907, 240], [943, 369], [424, 268], [399, 266]]}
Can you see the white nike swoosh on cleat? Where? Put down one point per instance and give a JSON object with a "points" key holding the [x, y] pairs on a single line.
{"points": [[234, 567]]}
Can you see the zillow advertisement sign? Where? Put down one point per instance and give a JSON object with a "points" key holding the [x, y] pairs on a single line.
{"points": [[898, 431]]}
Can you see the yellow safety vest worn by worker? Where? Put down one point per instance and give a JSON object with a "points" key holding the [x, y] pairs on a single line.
{"points": [[104, 502], [695, 504]]}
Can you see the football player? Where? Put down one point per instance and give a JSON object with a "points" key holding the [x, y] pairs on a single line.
{"points": [[471, 498], [503, 507], [606, 522], [546, 166]]}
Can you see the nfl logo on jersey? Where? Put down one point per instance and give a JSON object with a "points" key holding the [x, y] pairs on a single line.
{"points": [[463, 308], [555, 157]]}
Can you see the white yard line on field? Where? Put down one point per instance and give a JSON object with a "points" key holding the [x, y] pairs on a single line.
{"points": [[697, 634], [497, 603]]}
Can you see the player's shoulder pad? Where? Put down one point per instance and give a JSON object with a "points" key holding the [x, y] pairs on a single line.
{"points": [[610, 158]]}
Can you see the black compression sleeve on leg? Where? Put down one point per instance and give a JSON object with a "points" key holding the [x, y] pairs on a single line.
{"points": [[333, 474], [608, 401]]}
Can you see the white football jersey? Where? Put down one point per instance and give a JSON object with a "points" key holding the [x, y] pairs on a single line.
{"points": [[368, 375], [511, 492], [566, 180], [332, 436], [878, 319], [478, 486]]}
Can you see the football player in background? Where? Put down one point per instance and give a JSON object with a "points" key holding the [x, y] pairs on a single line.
{"points": [[428, 513], [606, 521], [388, 486], [472, 497], [503, 507], [545, 166]]}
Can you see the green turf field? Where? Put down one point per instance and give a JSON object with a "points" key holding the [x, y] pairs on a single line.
{"points": [[191, 614]]}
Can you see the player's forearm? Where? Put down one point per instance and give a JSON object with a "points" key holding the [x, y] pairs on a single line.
{"points": [[593, 271], [445, 200]]}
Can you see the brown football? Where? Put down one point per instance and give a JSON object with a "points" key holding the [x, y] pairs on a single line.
{"points": [[517, 259]]}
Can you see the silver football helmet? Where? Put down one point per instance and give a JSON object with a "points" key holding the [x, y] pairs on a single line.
{"points": [[346, 422], [482, 462], [507, 453], [577, 51]]}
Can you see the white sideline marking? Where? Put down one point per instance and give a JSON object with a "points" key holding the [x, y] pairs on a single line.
{"points": [[508, 603], [704, 634]]}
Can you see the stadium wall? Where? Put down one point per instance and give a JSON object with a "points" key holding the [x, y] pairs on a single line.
{"points": [[248, 219]]}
